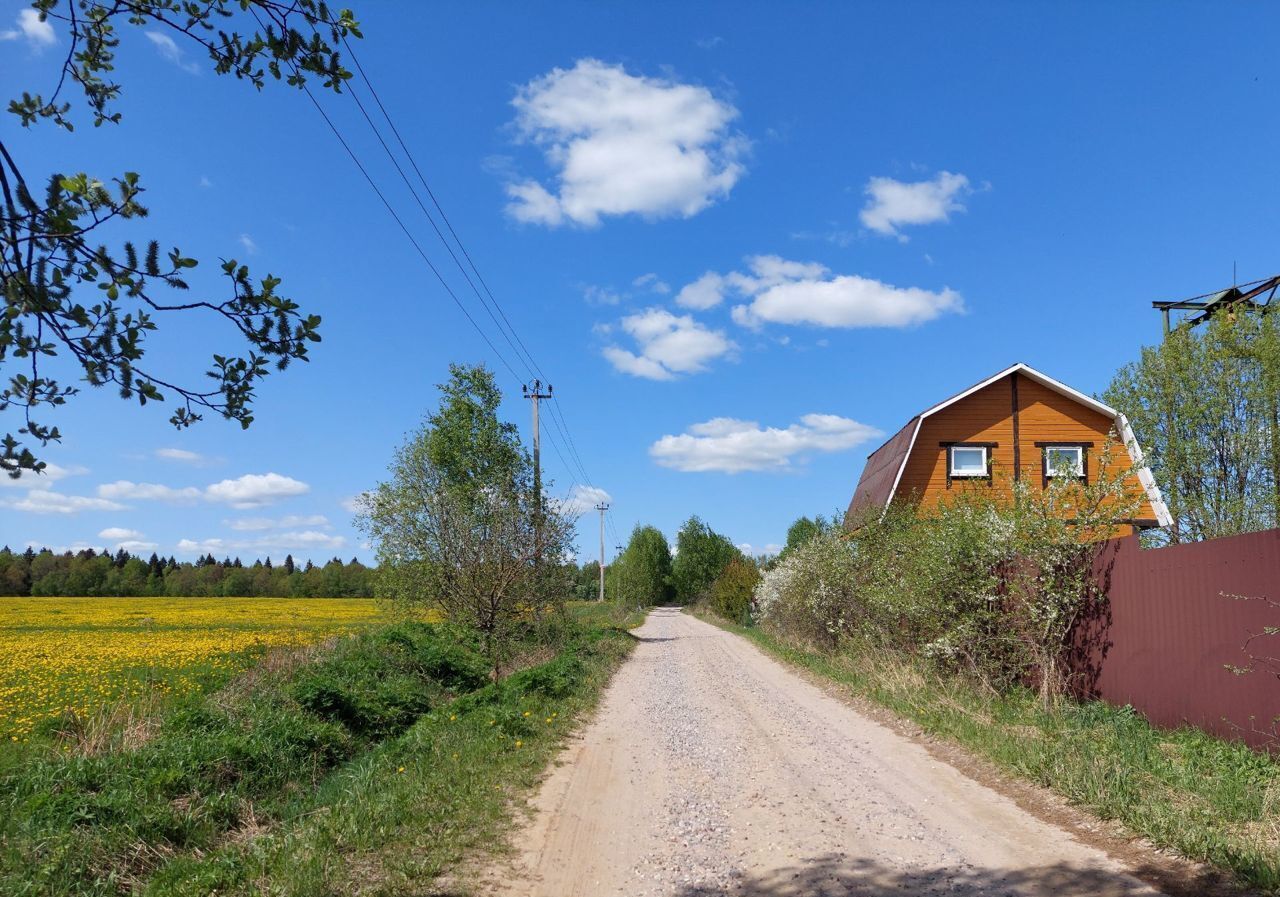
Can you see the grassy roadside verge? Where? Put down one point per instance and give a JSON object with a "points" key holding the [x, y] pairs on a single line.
{"points": [[1212, 801], [368, 767]]}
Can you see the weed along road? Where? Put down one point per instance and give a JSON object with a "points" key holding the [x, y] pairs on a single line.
{"points": [[711, 769]]}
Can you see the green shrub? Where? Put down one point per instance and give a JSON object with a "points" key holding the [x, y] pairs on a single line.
{"points": [[730, 594], [73, 824], [989, 584]]}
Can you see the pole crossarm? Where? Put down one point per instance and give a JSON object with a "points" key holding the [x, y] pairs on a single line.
{"points": [[1209, 304]]}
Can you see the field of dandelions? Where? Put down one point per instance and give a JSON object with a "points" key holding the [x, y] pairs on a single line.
{"points": [[79, 655]]}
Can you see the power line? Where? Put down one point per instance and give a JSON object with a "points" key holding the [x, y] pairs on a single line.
{"points": [[395, 215], [510, 333]]}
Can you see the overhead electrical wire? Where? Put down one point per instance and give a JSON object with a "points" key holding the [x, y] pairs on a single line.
{"points": [[487, 299]]}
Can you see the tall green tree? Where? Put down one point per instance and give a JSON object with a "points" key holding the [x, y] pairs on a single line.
{"points": [[458, 524], [1205, 407], [75, 306], [465, 440], [641, 575], [701, 556]]}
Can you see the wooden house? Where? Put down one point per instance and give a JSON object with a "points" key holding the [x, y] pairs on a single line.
{"points": [[1018, 425]]}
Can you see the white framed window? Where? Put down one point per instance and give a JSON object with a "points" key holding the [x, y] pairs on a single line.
{"points": [[1060, 459], [967, 461]]}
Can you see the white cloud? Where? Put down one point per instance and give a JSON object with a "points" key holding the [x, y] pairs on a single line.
{"points": [[301, 541], [44, 501], [782, 291], [729, 445], [355, 503], [847, 301], [249, 246], [118, 533], [170, 51], [249, 491], [182, 456], [38, 34], [705, 292], [892, 203], [623, 144], [753, 551], [129, 490], [256, 524], [597, 295], [651, 282], [668, 345], [130, 540], [582, 499], [254, 490], [205, 182], [51, 474]]}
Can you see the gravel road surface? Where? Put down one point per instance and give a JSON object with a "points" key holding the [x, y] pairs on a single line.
{"points": [[712, 769]]}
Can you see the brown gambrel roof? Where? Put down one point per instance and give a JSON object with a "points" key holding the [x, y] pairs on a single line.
{"points": [[880, 476]]}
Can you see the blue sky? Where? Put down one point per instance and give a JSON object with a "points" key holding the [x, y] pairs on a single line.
{"points": [[877, 206]]}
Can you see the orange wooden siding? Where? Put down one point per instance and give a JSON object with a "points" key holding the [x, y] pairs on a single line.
{"points": [[987, 416]]}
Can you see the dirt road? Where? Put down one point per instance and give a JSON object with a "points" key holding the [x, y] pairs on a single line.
{"points": [[712, 769]]}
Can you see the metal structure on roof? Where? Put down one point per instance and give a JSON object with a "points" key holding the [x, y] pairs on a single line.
{"points": [[1206, 306]]}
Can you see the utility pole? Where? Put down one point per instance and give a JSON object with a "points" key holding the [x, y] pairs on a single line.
{"points": [[535, 395], [602, 507]]}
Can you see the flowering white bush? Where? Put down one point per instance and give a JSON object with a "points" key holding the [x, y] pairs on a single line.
{"points": [[992, 583]]}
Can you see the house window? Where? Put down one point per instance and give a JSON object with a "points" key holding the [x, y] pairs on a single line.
{"points": [[967, 461], [1064, 459]]}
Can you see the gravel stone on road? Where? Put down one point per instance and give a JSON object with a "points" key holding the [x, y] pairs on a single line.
{"points": [[712, 769]]}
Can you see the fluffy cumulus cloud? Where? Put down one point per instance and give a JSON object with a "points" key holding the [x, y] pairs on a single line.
{"points": [[301, 541], [291, 521], [705, 292], [128, 490], [130, 540], [782, 291], [623, 144], [51, 473], [892, 204], [46, 501], [667, 345], [252, 490], [255, 490], [727, 445], [117, 533], [583, 499], [28, 26]]}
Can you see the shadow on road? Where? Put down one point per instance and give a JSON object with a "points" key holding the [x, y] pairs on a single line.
{"points": [[833, 876]]}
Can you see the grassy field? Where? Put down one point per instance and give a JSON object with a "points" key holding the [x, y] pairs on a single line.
{"points": [[371, 764], [77, 655]]}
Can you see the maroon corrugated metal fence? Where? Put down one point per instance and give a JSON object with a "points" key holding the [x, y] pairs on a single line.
{"points": [[1177, 618]]}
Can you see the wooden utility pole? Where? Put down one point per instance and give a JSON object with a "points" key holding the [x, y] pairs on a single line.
{"points": [[535, 395], [602, 507]]}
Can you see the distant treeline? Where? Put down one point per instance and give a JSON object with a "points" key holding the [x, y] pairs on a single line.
{"points": [[101, 573]]}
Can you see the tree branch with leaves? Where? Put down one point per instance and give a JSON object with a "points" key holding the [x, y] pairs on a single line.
{"points": [[77, 307]]}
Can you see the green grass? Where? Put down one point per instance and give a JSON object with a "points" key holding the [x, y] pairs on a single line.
{"points": [[1211, 800], [370, 767]]}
